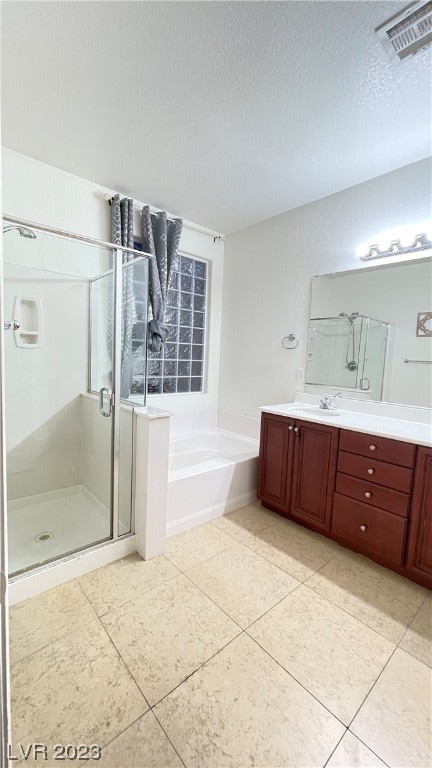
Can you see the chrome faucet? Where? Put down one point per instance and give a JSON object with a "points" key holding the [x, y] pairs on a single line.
{"points": [[326, 402]]}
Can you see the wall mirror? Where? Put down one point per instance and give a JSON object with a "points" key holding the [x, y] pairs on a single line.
{"points": [[370, 333]]}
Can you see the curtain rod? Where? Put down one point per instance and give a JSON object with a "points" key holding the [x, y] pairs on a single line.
{"points": [[187, 224], [138, 208], [73, 236]]}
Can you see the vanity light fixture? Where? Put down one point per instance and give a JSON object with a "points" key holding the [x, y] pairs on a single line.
{"points": [[389, 246]]}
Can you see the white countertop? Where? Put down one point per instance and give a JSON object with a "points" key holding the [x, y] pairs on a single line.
{"points": [[357, 421]]}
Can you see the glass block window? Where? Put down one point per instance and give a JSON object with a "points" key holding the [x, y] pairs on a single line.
{"points": [[179, 367]]}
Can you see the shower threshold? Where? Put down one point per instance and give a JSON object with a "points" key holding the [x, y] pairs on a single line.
{"points": [[51, 525]]}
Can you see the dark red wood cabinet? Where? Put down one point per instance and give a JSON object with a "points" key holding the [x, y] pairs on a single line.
{"points": [[275, 466], [297, 468], [419, 560], [314, 471], [369, 493], [369, 514]]}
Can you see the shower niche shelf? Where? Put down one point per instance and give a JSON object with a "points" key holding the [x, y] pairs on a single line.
{"points": [[28, 313]]}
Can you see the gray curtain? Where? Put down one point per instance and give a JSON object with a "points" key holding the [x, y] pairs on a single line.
{"points": [[122, 234], [161, 238]]}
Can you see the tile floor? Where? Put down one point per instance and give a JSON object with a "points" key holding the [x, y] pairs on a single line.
{"points": [[252, 642]]}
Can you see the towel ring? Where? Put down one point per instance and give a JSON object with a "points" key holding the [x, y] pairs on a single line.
{"points": [[290, 342]]}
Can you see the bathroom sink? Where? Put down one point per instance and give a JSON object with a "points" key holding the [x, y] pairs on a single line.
{"points": [[315, 409]]}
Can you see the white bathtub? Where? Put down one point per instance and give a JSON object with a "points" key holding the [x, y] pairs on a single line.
{"points": [[210, 473]]}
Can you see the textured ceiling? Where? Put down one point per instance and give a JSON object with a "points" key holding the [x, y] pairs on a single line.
{"points": [[223, 112]]}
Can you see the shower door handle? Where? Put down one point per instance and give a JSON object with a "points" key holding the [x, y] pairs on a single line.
{"points": [[107, 391]]}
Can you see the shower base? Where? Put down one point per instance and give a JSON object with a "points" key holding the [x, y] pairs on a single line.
{"points": [[53, 524]]}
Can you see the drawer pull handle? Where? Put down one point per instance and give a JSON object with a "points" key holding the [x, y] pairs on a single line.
{"points": [[371, 471], [368, 494], [290, 428], [372, 447], [363, 528]]}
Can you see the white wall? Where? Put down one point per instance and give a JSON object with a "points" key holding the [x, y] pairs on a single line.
{"points": [[42, 385], [267, 280], [44, 194]]}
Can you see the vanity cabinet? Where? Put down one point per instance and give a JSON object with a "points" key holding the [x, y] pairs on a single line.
{"points": [[297, 468], [420, 539], [371, 494]]}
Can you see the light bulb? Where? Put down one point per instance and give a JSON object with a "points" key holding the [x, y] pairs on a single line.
{"points": [[407, 240], [384, 245], [363, 250]]}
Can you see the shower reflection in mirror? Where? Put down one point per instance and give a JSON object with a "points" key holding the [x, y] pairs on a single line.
{"points": [[349, 351]]}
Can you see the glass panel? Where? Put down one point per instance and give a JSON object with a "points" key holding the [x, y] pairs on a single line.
{"points": [[58, 444], [134, 359], [125, 469], [347, 353], [333, 352], [133, 334], [134, 331], [100, 332], [375, 351]]}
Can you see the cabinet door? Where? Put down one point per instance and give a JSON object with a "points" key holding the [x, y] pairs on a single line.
{"points": [[275, 463], [314, 473], [420, 536]]}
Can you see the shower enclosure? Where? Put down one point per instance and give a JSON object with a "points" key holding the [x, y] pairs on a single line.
{"points": [[71, 373], [348, 351], [71, 362]]}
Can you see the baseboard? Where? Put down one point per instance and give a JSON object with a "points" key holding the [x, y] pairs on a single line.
{"points": [[210, 513], [49, 576]]}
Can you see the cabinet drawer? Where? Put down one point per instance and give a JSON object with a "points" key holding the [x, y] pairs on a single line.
{"points": [[380, 448], [374, 495], [398, 478], [369, 529]]}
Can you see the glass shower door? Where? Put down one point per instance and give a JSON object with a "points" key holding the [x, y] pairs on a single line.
{"points": [[132, 278], [99, 409], [59, 436], [133, 379]]}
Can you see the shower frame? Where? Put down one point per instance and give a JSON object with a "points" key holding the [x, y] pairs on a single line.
{"points": [[118, 252], [362, 317]]}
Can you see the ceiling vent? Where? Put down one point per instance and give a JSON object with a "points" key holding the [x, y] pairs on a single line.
{"points": [[408, 31]]}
